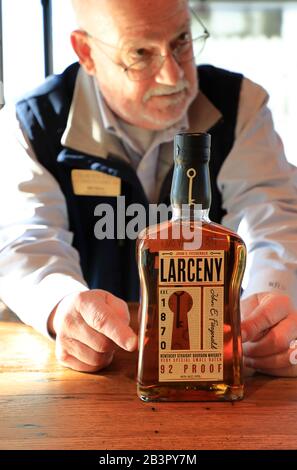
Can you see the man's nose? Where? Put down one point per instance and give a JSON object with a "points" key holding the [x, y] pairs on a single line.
{"points": [[170, 73]]}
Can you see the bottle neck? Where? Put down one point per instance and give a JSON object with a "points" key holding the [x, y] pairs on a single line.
{"points": [[187, 213], [191, 190]]}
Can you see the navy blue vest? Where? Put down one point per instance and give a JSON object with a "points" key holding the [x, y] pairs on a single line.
{"points": [[111, 264]]}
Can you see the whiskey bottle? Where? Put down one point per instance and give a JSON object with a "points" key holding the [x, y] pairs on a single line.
{"points": [[190, 271]]}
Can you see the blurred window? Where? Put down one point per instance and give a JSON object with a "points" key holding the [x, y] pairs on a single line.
{"points": [[63, 24], [23, 56], [258, 39]]}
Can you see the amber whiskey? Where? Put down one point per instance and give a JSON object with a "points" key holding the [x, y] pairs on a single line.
{"points": [[191, 271]]}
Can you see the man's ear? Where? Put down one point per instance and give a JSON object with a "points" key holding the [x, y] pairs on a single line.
{"points": [[80, 44]]}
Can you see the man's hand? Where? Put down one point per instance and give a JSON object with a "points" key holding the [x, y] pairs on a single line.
{"points": [[88, 326], [269, 324]]}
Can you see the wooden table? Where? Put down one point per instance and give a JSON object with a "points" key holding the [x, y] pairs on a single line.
{"points": [[44, 406]]}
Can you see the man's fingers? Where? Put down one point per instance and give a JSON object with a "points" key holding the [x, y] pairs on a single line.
{"points": [[73, 352], [275, 341], [73, 363], [271, 310], [88, 325], [120, 306], [248, 305], [84, 353], [82, 332], [104, 319], [120, 333], [275, 361]]}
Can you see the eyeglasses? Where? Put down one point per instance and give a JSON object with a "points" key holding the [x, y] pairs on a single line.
{"points": [[142, 62]]}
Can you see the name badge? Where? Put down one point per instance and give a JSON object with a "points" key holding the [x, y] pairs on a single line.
{"points": [[95, 183]]}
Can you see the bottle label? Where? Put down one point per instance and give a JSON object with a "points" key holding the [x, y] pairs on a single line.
{"points": [[191, 316]]}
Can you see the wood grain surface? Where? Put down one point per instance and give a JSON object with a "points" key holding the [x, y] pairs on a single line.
{"points": [[44, 406]]}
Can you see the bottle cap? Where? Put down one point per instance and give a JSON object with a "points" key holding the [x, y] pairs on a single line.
{"points": [[192, 145]]}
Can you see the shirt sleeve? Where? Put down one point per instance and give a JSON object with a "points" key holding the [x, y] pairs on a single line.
{"points": [[258, 188], [38, 265]]}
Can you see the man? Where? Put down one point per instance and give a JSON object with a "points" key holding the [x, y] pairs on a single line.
{"points": [[116, 116]]}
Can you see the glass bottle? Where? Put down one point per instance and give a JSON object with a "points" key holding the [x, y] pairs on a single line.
{"points": [[191, 271]]}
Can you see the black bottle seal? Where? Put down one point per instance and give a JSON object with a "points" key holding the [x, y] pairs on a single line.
{"points": [[191, 181]]}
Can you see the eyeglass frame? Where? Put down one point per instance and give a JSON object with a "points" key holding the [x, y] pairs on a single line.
{"points": [[205, 35]]}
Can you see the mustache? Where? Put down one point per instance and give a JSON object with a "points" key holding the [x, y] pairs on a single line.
{"points": [[162, 90]]}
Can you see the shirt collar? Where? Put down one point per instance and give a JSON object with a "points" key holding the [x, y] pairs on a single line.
{"points": [[108, 118], [85, 130]]}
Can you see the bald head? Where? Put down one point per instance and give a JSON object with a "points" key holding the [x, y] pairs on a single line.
{"points": [[83, 10], [99, 15]]}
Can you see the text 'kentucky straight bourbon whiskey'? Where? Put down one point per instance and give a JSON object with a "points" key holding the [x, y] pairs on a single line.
{"points": [[191, 271]]}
